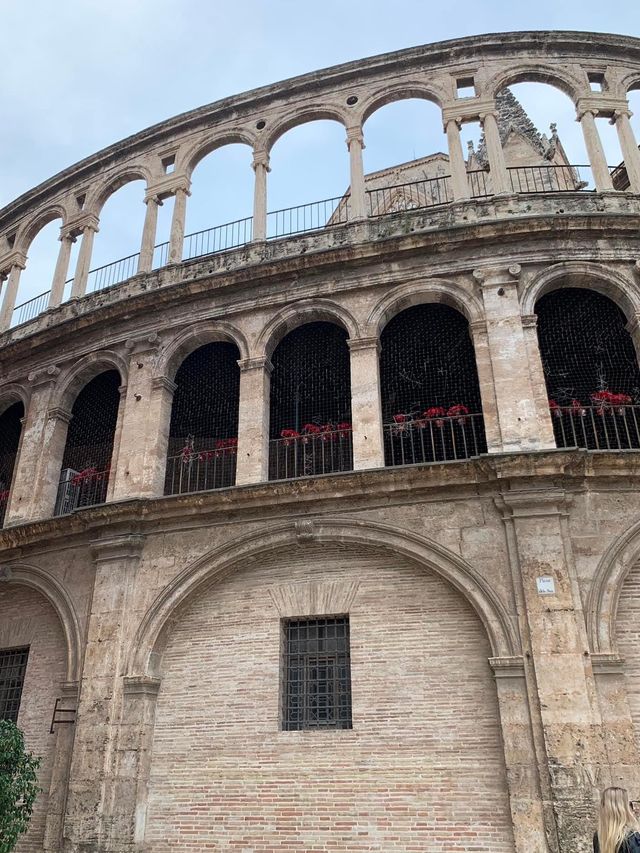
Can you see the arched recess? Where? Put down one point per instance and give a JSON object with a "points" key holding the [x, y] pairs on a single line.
{"points": [[591, 370], [431, 405], [10, 433], [89, 445], [406, 158], [203, 433], [309, 177], [220, 207], [605, 280], [310, 403], [305, 311], [41, 245]]}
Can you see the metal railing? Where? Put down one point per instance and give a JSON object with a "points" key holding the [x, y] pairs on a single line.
{"points": [[201, 470], [30, 309], [160, 255], [434, 439], [308, 217], [218, 239], [548, 179], [78, 489], [112, 274], [416, 195], [600, 427], [479, 185], [304, 455]]}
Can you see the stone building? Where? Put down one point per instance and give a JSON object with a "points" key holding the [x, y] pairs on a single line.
{"points": [[328, 538]]}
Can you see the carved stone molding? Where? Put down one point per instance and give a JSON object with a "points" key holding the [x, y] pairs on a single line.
{"points": [[141, 685], [508, 667], [319, 598], [127, 546]]}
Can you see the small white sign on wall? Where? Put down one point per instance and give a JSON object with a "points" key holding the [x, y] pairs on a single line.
{"points": [[546, 586]]}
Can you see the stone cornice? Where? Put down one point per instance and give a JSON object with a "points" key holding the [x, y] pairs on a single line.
{"points": [[607, 664], [511, 667]]}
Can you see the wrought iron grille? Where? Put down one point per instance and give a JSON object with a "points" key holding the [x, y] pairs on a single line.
{"points": [[204, 421], [431, 405], [10, 427], [13, 665], [84, 476], [591, 370], [317, 674], [310, 424]]}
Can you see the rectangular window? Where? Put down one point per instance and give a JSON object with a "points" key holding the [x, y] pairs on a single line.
{"points": [[316, 674], [13, 663]]}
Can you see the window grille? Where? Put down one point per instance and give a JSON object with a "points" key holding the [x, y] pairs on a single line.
{"points": [[316, 674], [10, 426], [13, 664], [431, 405], [204, 420], [310, 408], [591, 370]]}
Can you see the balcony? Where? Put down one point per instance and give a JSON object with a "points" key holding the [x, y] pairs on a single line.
{"points": [[433, 436], [309, 454], [198, 470], [78, 489], [608, 425]]}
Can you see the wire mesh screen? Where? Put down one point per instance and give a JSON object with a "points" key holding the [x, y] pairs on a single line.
{"points": [[429, 384], [310, 408], [13, 665], [203, 436], [10, 427], [591, 370], [87, 454], [317, 674]]}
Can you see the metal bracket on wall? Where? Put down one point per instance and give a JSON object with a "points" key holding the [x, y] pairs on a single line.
{"points": [[62, 716]]}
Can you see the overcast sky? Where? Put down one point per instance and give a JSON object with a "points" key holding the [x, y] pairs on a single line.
{"points": [[78, 75]]}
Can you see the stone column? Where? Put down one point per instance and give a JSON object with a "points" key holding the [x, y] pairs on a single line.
{"points": [[552, 625], [79, 286], [61, 270], [176, 239], [595, 151], [515, 403], [145, 260], [458, 167], [478, 332], [366, 407], [37, 468], [11, 292], [261, 169], [525, 795], [355, 144], [253, 421], [538, 384], [142, 457], [497, 167], [90, 821], [629, 148]]}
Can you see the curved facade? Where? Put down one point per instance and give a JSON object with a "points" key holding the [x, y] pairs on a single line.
{"points": [[320, 528]]}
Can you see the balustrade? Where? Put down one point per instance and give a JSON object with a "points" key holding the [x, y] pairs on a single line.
{"points": [[434, 437], [308, 454]]}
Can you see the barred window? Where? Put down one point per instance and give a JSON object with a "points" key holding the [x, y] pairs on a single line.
{"points": [[316, 674], [13, 663]]}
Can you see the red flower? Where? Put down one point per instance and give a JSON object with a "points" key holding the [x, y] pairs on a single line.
{"points": [[577, 408], [458, 411], [436, 413], [344, 429], [327, 432], [82, 476], [555, 409], [290, 435], [311, 429], [399, 419]]}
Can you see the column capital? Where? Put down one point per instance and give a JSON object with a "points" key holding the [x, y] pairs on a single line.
{"points": [[485, 114], [600, 104], [79, 223], [537, 503], [478, 327], [370, 342], [67, 234], [260, 158], [57, 413], [497, 276], [260, 362], [163, 383], [127, 546], [626, 113], [507, 667], [167, 186], [467, 109], [152, 198], [355, 134], [454, 120], [45, 376], [143, 343], [13, 259]]}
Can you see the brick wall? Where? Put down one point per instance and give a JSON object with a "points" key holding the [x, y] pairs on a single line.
{"points": [[628, 635], [422, 767], [27, 619]]}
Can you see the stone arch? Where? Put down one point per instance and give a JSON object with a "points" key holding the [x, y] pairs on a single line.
{"points": [[417, 293], [58, 597], [293, 118], [194, 337], [31, 229], [155, 626], [13, 393], [299, 314], [537, 73], [611, 283], [190, 157], [400, 92], [604, 594], [72, 382], [112, 184], [629, 83]]}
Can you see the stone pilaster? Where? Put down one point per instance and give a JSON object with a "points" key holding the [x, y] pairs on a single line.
{"points": [[459, 183], [538, 384], [355, 144], [478, 332], [93, 819], [366, 410], [261, 169], [253, 421]]}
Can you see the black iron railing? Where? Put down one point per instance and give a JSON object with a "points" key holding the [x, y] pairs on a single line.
{"points": [[78, 489], [111, 274], [416, 195], [30, 309], [304, 455], [548, 178], [160, 255], [200, 470], [419, 439], [218, 239], [308, 217], [479, 186], [599, 427]]}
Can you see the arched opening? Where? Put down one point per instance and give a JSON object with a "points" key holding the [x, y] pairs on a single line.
{"points": [[35, 280], [10, 430], [116, 247], [203, 436], [543, 144], [309, 179], [220, 208], [591, 370], [310, 408], [627, 634], [86, 462], [406, 159], [431, 406]]}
